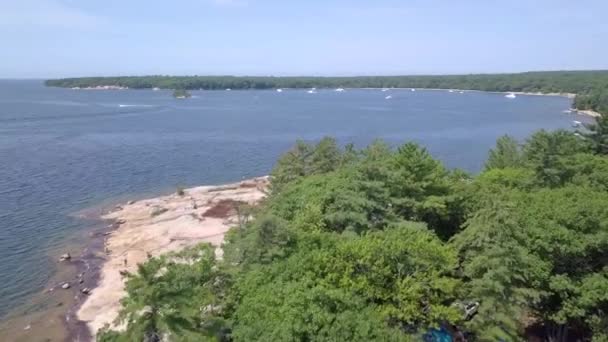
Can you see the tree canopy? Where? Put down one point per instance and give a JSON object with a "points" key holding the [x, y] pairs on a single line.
{"points": [[387, 244]]}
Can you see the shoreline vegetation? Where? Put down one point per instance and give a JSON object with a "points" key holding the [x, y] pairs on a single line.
{"points": [[376, 244], [157, 226], [590, 87]]}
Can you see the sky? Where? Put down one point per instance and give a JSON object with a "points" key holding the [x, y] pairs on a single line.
{"points": [[68, 38]]}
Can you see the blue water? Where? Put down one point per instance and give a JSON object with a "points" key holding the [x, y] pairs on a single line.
{"points": [[63, 150]]}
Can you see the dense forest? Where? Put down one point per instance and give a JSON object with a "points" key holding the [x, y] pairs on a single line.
{"points": [[590, 86], [386, 244]]}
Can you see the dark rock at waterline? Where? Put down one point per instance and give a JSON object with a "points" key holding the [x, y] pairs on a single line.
{"points": [[131, 202]]}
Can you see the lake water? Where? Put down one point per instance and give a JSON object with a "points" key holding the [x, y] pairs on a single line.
{"points": [[64, 150]]}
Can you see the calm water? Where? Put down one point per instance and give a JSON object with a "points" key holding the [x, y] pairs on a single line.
{"points": [[63, 150]]}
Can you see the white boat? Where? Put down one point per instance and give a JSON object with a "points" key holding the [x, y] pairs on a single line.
{"points": [[451, 91], [156, 88], [384, 89], [279, 90], [312, 91], [510, 96], [339, 90], [388, 97], [461, 92], [413, 89], [576, 123], [228, 89]]}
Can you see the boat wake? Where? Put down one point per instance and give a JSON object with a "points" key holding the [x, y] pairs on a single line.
{"points": [[135, 105]]}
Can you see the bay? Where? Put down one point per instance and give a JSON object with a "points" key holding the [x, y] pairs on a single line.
{"points": [[64, 150]]}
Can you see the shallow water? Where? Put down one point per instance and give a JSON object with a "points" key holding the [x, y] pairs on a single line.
{"points": [[64, 150]]}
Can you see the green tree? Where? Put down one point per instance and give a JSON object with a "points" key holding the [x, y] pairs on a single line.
{"points": [[325, 157], [597, 133], [420, 188], [164, 298], [507, 153], [544, 151], [291, 166], [504, 276]]}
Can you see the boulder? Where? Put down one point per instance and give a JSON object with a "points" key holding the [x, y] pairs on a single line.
{"points": [[65, 286], [65, 257], [131, 202], [85, 290], [157, 211]]}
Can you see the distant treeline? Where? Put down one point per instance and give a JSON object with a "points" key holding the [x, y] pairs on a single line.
{"points": [[590, 86]]}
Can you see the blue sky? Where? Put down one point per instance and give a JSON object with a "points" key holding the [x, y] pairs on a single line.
{"points": [[56, 38]]}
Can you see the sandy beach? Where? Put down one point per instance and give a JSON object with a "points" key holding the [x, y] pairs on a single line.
{"points": [[160, 225]]}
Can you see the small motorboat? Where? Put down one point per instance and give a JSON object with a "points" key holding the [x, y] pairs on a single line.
{"points": [[388, 97], [510, 96]]}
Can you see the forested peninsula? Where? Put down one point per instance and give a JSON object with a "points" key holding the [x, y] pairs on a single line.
{"points": [[591, 87], [386, 244]]}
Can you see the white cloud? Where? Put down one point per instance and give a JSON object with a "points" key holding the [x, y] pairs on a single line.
{"points": [[45, 13]]}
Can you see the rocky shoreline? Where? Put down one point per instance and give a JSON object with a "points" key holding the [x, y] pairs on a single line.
{"points": [[149, 227]]}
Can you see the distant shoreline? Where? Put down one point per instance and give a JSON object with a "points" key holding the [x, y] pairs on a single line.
{"points": [[589, 86], [571, 96]]}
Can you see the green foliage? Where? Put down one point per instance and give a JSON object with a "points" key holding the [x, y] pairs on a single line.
{"points": [[598, 133], [505, 277], [383, 244], [544, 153], [595, 99], [507, 153], [262, 241], [586, 170], [350, 288], [419, 188], [291, 166], [165, 297]]}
